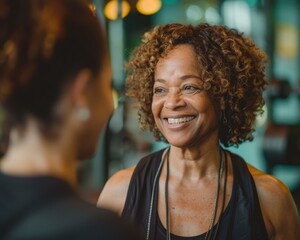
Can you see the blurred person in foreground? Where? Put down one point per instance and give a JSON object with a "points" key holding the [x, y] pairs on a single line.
{"points": [[200, 88], [56, 93]]}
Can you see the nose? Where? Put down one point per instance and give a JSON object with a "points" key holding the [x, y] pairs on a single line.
{"points": [[174, 100]]}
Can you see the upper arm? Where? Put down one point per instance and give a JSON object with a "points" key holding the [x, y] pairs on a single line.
{"points": [[114, 193], [278, 207]]}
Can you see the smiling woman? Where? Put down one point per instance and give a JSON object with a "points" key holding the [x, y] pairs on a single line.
{"points": [[182, 110], [199, 88]]}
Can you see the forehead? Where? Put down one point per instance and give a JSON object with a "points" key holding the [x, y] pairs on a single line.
{"points": [[180, 58], [183, 48]]}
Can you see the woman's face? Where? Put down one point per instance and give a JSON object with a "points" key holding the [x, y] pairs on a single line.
{"points": [[183, 112]]}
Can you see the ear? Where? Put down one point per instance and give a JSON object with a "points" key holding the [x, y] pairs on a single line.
{"points": [[79, 88]]}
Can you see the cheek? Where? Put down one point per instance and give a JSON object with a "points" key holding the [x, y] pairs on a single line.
{"points": [[102, 106], [106, 107], [109, 101], [156, 108], [106, 97], [202, 103]]}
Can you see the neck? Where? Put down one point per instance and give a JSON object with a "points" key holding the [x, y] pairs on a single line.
{"points": [[31, 154], [194, 164]]}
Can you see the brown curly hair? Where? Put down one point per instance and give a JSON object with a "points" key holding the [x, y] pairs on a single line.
{"points": [[233, 71]]}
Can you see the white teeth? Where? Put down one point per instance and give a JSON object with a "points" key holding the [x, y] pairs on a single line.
{"points": [[180, 120]]}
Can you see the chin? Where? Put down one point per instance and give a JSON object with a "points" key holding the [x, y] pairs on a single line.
{"points": [[179, 139], [179, 144]]}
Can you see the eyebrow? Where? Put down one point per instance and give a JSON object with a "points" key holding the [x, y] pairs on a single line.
{"points": [[185, 77]]}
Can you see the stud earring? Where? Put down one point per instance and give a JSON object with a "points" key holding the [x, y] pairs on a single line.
{"points": [[83, 114]]}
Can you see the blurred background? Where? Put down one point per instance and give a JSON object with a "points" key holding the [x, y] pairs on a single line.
{"points": [[272, 24]]}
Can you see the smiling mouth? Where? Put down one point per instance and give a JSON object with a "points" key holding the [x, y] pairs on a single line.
{"points": [[180, 120]]}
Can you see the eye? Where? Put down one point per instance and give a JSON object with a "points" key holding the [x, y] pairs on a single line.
{"points": [[190, 89], [159, 90]]}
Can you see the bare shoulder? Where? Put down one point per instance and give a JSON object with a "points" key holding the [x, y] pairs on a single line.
{"points": [[114, 193], [267, 184], [277, 205]]}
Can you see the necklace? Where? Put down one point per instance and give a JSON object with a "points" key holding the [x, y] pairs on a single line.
{"points": [[210, 234], [156, 177], [211, 230]]}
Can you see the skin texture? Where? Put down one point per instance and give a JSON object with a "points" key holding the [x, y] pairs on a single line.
{"points": [[187, 115]]}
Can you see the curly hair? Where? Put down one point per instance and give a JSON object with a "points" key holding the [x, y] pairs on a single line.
{"points": [[233, 72]]}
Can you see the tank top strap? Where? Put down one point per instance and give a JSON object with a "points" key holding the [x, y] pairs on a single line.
{"points": [[246, 199], [140, 190]]}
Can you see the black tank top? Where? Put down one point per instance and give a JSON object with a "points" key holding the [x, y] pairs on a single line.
{"points": [[241, 220]]}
